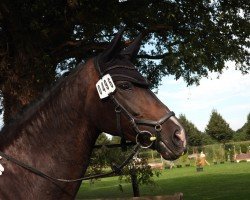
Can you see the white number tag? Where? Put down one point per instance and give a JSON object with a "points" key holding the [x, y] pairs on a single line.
{"points": [[105, 86], [1, 168]]}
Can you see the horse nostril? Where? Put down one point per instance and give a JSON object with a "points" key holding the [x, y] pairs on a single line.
{"points": [[178, 138]]}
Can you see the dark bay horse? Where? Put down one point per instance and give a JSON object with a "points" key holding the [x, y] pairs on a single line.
{"points": [[57, 134]]}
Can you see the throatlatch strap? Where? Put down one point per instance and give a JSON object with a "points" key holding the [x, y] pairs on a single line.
{"points": [[119, 128]]}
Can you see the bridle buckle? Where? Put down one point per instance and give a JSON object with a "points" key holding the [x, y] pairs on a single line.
{"points": [[118, 109], [158, 128]]}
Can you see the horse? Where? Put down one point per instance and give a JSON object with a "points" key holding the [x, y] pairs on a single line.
{"points": [[57, 134]]}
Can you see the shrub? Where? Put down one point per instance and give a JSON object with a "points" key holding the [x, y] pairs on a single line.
{"points": [[244, 148]]}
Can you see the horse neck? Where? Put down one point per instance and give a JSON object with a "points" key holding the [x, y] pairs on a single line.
{"points": [[57, 137]]}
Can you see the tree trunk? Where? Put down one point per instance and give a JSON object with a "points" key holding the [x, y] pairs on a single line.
{"points": [[134, 181], [26, 83], [25, 67]]}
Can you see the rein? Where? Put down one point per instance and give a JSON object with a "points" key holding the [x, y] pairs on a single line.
{"points": [[115, 169]]}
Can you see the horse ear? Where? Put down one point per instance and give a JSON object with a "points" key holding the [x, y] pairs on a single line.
{"points": [[113, 48], [132, 50]]}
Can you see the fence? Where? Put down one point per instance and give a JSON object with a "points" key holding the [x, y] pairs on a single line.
{"points": [[215, 153]]}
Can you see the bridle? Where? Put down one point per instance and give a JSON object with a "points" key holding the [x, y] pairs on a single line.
{"points": [[135, 122]]}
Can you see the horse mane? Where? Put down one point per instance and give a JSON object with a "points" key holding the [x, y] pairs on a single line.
{"points": [[10, 130]]}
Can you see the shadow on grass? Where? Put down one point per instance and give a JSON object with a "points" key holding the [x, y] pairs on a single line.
{"points": [[224, 186], [216, 183]]}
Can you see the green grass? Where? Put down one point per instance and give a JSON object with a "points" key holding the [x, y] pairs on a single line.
{"points": [[223, 181]]}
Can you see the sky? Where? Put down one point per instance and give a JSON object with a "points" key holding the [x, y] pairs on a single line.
{"points": [[229, 95]]}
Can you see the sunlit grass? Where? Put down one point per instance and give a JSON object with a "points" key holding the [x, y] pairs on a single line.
{"points": [[222, 181]]}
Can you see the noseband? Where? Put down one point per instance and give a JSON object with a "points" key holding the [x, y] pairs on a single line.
{"points": [[135, 122]]}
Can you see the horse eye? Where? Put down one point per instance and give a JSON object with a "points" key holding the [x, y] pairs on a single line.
{"points": [[125, 86]]}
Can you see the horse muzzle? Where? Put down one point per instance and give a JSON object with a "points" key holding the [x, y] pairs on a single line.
{"points": [[171, 149]]}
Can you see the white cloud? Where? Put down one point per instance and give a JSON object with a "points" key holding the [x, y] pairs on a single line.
{"points": [[229, 95]]}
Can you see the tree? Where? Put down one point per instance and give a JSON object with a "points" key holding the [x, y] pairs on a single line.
{"points": [[137, 172], [193, 134], [248, 127], [244, 132], [206, 139], [98, 159], [218, 128], [188, 39]]}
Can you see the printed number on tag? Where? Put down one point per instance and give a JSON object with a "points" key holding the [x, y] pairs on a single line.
{"points": [[105, 86]]}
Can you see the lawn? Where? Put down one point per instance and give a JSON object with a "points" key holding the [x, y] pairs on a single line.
{"points": [[223, 181]]}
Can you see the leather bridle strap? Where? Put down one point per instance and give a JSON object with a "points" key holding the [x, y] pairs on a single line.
{"points": [[115, 169], [119, 108], [125, 112], [119, 128], [149, 122], [136, 121]]}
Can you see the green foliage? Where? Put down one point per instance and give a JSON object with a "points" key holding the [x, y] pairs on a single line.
{"points": [[104, 158], [229, 151], [239, 136], [244, 132], [185, 39], [206, 139], [247, 131], [184, 160], [218, 153], [244, 148], [220, 182], [193, 134], [218, 128], [143, 171], [98, 161]]}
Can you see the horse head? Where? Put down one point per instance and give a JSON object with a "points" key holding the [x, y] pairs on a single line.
{"points": [[55, 137], [127, 107]]}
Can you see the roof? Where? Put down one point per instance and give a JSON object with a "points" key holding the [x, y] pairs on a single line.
{"points": [[242, 156]]}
